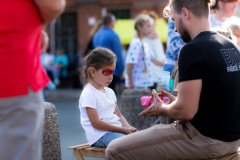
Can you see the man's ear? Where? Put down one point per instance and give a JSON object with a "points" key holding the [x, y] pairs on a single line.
{"points": [[92, 71], [185, 13]]}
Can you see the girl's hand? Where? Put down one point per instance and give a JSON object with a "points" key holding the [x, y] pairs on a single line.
{"points": [[129, 130], [133, 129]]}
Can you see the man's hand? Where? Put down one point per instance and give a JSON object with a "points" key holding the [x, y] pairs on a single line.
{"points": [[170, 97], [155, 108]]}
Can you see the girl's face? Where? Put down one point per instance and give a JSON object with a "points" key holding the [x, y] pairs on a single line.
{"points": [[103, 77], [146, 29], [228, 8]]}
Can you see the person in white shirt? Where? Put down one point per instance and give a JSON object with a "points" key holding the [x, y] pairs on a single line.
{"points": [[155, 44], [223, 15], [100, 115]]}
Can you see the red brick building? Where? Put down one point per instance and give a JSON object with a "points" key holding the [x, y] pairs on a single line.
{"points": [[70, 31], [73, 26]]}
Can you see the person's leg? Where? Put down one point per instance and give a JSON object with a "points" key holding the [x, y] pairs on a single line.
{"points": [[107, 138], [56, 75], [21, 124], [171, 141]]}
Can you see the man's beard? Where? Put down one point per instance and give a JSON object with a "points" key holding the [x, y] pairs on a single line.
{"points": [[184, 33]]}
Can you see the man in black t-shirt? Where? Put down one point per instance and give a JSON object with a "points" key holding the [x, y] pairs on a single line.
{"points": [[208, 104], [216, 64]]}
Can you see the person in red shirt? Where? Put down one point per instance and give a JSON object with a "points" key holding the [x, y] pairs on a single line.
{"points": [[22, 77]]}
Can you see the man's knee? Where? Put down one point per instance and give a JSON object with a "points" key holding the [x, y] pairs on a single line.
{"points": [[111, 150]]}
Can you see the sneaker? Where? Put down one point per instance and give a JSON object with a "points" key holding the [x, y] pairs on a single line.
{"points": [[57, 82], [51, 86]]}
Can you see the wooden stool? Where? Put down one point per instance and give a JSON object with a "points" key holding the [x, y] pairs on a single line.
{"points": [[86, 150]]}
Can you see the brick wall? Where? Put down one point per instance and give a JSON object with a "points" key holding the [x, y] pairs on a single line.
{"points": [[84, 12], [93, 8]]}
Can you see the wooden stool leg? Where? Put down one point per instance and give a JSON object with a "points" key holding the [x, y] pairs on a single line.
{"points": [[78, 156]]}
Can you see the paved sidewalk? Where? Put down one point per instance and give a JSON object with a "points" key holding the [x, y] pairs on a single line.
{"points": [[63, 94], [70, 94]]}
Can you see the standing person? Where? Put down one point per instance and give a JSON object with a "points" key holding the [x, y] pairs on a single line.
{"points": [[92, 32], [47, 59], [174, 45], [108, 38], [223, 14], [60, 65], [208, 90], [235, 28], [155, 44], [100, 115], [22, 76], [139, 56]]}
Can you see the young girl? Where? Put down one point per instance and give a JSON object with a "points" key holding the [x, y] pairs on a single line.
{"points": [[235, 28], [100, 116], [154, 42], [139, 56]]}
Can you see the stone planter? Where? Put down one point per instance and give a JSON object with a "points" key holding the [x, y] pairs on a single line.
{"points": [[51, 149], [131, 107]]}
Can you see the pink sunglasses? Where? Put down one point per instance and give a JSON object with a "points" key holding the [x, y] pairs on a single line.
{"points": [[107, 72]]}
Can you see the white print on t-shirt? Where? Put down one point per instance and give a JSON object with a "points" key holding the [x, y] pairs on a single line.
{"points": [[232, 59]]}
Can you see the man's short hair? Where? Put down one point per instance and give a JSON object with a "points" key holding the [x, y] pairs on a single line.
{"points": [[199, 8], [108, 19]]}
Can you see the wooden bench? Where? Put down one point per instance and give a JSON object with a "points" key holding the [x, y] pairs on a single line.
{"points": [[86, 150]]}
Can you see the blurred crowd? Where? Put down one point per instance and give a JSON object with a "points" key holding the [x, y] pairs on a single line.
{"points": [[25, 73], [140, 61]]}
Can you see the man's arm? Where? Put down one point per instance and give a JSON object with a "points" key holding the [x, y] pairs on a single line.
{"points": [[184, 107], [50, 9]]}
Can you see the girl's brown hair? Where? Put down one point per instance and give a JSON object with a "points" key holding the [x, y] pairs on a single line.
{"points": [[152, 14], [140, 20], [97, 58]]}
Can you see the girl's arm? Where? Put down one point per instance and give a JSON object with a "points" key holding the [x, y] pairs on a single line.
{"points": [[123, 119], [101, 125], [157, 62], [129, 73], [65, 60]]}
